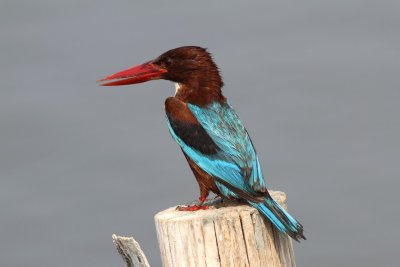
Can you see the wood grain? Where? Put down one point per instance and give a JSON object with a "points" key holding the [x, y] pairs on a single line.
{"points": [[228, 234]]}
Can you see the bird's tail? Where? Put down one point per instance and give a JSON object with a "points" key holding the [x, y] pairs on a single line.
{"points": [[280, 218]]}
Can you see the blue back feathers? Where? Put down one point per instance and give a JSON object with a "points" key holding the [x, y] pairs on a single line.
{"points": [[223, 125], [235, 165], [236, 161]]}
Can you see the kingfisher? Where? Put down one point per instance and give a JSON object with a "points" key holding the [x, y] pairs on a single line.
{"points": [[209, 132]]}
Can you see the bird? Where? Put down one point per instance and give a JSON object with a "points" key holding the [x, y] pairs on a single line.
{"points": [[209, 132]]}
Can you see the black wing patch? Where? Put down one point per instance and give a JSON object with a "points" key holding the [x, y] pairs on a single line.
{"points": [[194, 136]]}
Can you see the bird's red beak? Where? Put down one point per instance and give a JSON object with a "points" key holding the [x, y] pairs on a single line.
{"points": [[138, 74]]}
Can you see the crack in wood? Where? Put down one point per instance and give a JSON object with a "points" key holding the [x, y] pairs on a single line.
{"points": [[244, 238]]}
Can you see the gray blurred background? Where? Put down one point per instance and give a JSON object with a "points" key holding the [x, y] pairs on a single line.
{"points": [[317, 84]]}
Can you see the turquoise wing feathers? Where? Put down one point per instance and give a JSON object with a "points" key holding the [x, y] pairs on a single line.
{"points": [[219, 144], [235, 163]]}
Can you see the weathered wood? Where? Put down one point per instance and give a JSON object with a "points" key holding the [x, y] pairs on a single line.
{"points": [[228, 234], [130, 251]]}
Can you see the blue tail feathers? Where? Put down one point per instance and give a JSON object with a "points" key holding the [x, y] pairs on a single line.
{"points": [[280, 218]]}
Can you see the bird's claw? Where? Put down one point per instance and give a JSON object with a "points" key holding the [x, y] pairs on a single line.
{"points": [[192, 208]]}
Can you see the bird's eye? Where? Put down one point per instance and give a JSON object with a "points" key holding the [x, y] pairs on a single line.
{"points": [[168, 61]]}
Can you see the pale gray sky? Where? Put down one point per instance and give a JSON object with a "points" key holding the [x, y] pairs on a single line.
{"points": [[315, 82]]}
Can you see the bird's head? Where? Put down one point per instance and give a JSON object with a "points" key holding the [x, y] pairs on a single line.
{"points": [[191, 66]]}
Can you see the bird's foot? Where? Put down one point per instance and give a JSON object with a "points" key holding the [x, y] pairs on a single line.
{"points": [[200, 206], [192, 208]]}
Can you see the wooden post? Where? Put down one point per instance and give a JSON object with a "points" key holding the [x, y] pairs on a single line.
{"points": [[231, 234]]}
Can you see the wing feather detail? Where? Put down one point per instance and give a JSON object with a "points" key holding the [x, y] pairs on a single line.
{"points": [[215, 139]]}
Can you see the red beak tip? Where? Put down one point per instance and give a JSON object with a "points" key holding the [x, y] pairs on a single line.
{"points": [[104, 79]]}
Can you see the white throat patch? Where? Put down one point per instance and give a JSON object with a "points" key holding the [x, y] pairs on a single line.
{"points": [[177, 87]]}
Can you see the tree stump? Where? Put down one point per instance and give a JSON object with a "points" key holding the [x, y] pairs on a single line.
{"points": [[227, 234]]}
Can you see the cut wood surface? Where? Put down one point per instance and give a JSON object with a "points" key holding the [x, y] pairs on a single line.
{"points": [[227, 234]]}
